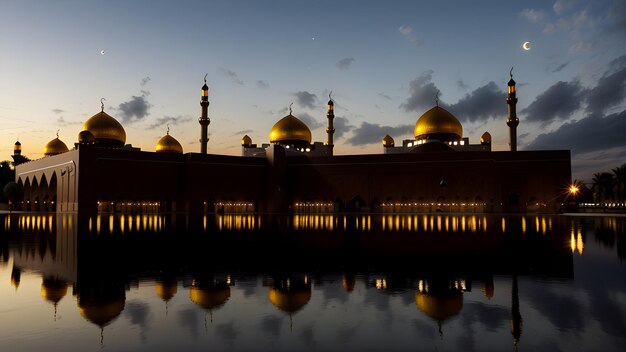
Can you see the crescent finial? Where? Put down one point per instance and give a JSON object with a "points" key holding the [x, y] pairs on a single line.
{"points": [[102, 100], [329, 94], [58, 133], [511, 72], [168, 128], [437, 98], [205, 77], [290, 108]]}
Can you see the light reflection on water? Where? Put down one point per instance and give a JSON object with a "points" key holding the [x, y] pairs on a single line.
{"points": [[312, 281]]}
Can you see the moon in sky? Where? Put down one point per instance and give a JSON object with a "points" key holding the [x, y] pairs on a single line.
{"points": [[526, 45], [102, 52]]}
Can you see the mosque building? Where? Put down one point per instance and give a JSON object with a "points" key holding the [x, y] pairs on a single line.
{"points": [[439, 170]]}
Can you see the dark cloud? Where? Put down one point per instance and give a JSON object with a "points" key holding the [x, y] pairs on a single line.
{"points": [[262, 84], [135, 109], [145, 81], [168, 120], [382, 94], [232, 75], [610, 90], [310, 121], [461, 84], [422, 93], [58, 111], [242, 132], [188, 318], [306, 99], [369, 133], [272, 325], [342, 126], [139, 314], [482, 104], [560, 67], [592, 133], [557, 103], [227, 332], [345, 63]]}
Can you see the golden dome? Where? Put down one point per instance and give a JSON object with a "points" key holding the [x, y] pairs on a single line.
{"points": [[485, 138], [107, 130], [54, 147], [168, 144], [86, 137], [209, 298], [166, 290], [388, 141], [290, 129], [246, 141], [438, 123], [103, 313], [290, 301], [439, 307]]}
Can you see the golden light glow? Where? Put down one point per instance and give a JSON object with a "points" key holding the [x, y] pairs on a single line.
{"points": [[573, 190]]}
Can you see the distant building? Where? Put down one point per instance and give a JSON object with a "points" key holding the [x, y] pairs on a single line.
{"points": [[438, 171]]}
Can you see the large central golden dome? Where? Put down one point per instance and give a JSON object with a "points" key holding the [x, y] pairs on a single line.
{"points": [[289, 130], [107, 130], [438, 123]]}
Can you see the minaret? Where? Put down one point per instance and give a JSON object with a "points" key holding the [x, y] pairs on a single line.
{"points": [[513, 121], [330, 130], [17, 149], [204, 119]]}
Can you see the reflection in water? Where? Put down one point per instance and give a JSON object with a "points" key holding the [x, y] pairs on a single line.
{"points": [[327, 272]]}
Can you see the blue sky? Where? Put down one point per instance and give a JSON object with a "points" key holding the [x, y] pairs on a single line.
{"points": [[382, 60]]}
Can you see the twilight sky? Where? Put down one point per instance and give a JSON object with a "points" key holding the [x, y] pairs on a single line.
{"points": [[383, 60]]}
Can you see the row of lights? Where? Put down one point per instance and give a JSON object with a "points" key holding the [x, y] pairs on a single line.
{"points": [[429, 204], [608, 205], [229, 204], [298, 205], [44, 202], [130, 204], [300, 149]]}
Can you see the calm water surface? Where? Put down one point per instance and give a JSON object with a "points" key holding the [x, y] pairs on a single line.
{"points": [[162, 282]]}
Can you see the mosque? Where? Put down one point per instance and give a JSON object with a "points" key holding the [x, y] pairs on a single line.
{"points": [[437, 171]]}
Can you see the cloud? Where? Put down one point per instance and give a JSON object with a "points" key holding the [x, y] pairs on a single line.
{"points": [[310, 121], [611, 88], [382, 94], [145, 81], [558, 102], [242, 132], [407, 32], [422, 93], [232, 75], [345, 63], [135, 109], [560, 67], [461, 84], [369, 133], [532, 15], [169, 120], [306, 99], [262, 84], [482, 104], [590, 134], [342, 126], [58, 111]]}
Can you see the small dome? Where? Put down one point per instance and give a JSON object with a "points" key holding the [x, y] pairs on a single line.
{"points": [[246, 141], [485, 138], [169, 144], [18, 143], [439, 307], [290, 130], [54, 147], [290, 300], [86, 137], [388, 141], [107, 130], [438, 123], [166, 289], [209, 298], [53, 290]]}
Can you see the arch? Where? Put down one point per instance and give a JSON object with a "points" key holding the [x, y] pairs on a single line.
{"points": [[356, 204], [53, 191]]}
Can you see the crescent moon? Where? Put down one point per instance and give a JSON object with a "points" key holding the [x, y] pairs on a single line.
{"points": [[102, 52], [526, 45]]}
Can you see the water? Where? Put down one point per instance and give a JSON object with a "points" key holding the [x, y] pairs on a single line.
{"points": [[162, 282]]}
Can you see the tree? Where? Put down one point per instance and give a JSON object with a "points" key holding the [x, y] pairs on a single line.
{"points": [[602, 186], [619, 174], [6, 175]]}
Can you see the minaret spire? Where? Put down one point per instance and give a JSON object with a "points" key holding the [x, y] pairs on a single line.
{"points": [[204, 118], [512, 121], [330, 130]]}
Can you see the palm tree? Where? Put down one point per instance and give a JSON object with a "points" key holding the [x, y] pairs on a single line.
{"points": [[620, 182], [602, 186]]}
